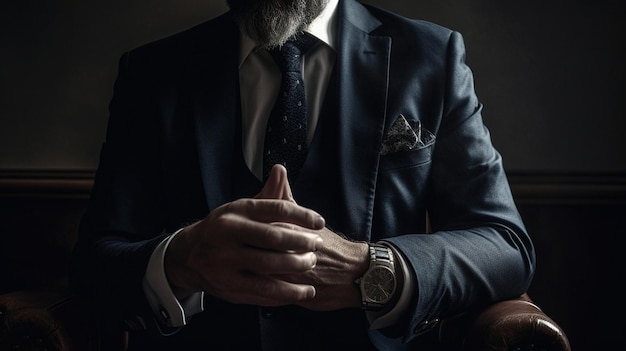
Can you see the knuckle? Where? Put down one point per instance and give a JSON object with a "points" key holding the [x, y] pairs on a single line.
{"points": [[282, 209], [265, 263], [223, 218], [271, 234], [265, 287]]}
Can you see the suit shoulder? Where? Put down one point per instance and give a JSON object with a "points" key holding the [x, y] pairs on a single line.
{"points": [[394, 24], [199, 38]]}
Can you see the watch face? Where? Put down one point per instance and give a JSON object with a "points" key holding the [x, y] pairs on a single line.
{"points": [[379, 284]]}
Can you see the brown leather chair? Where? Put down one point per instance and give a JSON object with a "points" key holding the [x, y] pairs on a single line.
{"points": [[46, 318], [54, 321], [511, 325], [57, 322]]}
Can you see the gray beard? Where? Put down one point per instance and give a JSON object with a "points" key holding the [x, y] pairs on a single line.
{"points": [[270, 23]]}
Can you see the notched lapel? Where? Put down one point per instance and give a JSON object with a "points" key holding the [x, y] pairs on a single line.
{"points": [[363, 63]]}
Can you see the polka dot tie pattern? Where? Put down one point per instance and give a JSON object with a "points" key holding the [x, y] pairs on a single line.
{"points": [[286, 133]]}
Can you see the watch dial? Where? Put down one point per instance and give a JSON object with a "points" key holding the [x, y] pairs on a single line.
{"points": [[379, 284]]}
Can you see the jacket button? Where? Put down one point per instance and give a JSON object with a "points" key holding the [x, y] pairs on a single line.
{"points": [[425, 326], [267, 313]]}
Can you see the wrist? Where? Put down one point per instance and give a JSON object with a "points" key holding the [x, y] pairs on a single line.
{"points": [[400, 275], [405, 293], [380, 282], [175, 263], [361, 268]]}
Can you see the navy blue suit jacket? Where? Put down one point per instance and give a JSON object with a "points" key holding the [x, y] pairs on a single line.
{"points": [[172, 154]]}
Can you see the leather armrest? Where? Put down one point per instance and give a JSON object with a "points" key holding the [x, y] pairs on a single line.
{"points": [[26, 323], [53, 321], [516, 324]]}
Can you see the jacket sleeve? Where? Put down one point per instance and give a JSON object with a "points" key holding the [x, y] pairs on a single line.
{"points": [[123, 223], [479, 250]]}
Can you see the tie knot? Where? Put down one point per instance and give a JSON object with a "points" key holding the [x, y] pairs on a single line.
{"points": [[289, 56]]}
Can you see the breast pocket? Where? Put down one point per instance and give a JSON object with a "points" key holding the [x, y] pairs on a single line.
{"points": [[407, 159], [400, 200]]}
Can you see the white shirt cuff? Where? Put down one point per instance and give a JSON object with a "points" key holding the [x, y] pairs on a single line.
{"points": [[169, 309]]}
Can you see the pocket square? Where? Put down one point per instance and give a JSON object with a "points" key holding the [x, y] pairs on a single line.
{"points": [[402, 137]]}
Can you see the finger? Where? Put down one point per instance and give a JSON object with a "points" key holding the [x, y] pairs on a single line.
{"points": [[269, 211], [276, 263], [268, 291], [277, 185], [276, 238]]}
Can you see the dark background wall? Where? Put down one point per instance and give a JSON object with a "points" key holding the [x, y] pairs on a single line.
{"points": [[550, 73]]}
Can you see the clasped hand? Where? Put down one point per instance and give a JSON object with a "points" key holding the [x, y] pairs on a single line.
{"points": [[267, 251]]}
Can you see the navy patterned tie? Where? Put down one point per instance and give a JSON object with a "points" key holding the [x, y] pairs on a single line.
{"points": [[286, 133]]}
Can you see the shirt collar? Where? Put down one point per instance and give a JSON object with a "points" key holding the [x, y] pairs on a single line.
{"points": [[323, 27]]}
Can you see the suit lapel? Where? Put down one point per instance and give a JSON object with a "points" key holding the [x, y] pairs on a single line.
{"points": [[343, 160], [364, 74], [363, 71]]}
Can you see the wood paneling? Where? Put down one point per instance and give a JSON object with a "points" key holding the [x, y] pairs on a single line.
{"points": [[576, 221]]}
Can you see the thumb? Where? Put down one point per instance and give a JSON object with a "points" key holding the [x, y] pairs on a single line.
{"points": [[277, 185]]}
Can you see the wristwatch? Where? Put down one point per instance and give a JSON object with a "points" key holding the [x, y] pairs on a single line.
{"points": [[378, 284]]}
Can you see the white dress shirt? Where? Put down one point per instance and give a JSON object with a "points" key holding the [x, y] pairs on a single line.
{"points": [[259, 80], [259, 83]]}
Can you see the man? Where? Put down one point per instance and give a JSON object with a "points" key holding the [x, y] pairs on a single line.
{"points": [[194, 246]]}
